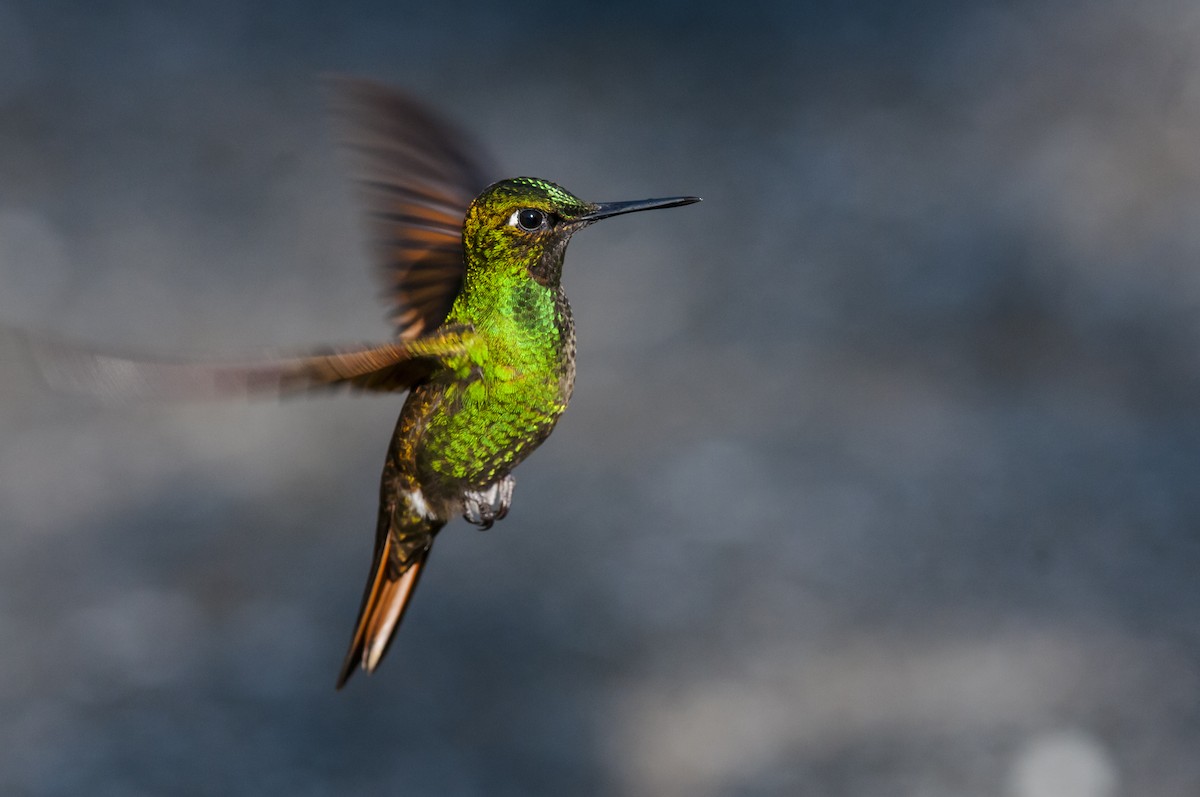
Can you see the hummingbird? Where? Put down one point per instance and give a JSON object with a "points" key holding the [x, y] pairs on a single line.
{"points": [[484, 341]]}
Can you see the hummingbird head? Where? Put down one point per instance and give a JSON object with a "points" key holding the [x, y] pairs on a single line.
{"points": [[524, 224]]}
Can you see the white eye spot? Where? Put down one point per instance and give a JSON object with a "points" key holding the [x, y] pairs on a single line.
{"points": [[527, 219]]}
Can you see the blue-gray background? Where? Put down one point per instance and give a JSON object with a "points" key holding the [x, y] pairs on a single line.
{"points": [[882, 476]]}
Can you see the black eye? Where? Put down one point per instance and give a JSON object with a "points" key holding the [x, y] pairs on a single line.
{"points": [[530, 219]]}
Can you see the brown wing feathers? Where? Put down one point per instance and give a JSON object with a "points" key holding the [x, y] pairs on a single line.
{"points": [[110, 377], [418, 176]]}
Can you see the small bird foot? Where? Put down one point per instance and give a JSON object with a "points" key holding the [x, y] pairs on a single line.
{"points": [[484, 507]]}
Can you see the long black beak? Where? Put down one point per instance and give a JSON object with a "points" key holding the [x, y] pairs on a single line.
{"points": [[606, 209]]}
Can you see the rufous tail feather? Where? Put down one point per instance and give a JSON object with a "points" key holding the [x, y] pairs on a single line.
{"points": [[395, 571]]}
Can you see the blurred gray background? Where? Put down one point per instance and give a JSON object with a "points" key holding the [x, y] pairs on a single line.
{"points": [[881, 475]]}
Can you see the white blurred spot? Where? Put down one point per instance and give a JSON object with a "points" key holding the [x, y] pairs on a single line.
{"points": [[1063, 764], [697, 736]]}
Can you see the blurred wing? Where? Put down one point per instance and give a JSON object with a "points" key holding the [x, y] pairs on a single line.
{"points": [[389, 367], [418, 176]]}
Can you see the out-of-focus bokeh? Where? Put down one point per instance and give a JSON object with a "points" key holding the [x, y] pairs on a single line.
{"points": [[882, 474]]}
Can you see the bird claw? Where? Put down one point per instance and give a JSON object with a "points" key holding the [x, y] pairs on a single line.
{"points": [[484, 507]]}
